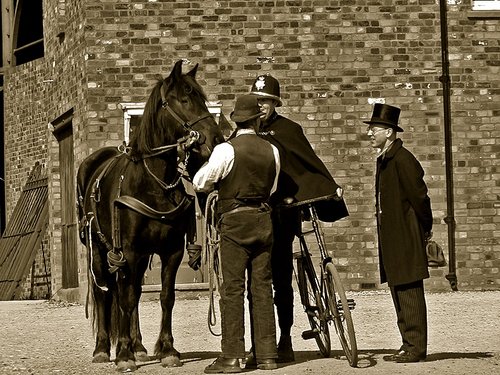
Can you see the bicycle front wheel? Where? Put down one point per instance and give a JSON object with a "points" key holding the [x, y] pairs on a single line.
{"points": [[314, 305], [342, 318]]}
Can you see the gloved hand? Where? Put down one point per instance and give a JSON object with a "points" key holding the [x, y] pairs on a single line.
{"points": [[340, 194], [194, 252]]}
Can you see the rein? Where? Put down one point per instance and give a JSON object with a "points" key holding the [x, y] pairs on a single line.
{"points": [[210, 256], [183, 144]]}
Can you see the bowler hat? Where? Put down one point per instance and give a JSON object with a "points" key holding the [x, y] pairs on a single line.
{"points": [[267, 86], [246, 108], [387, 115]]}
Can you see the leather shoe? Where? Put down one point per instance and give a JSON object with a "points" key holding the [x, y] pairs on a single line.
{"points": [[404, 356], [250, 361], [393, 357], [261, 364], [409, 357], [224, 366], [267, 364], [285, 350]]}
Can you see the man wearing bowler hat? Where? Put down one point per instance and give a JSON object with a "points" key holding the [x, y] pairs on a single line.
{"points": [[245, 172], [303, 176], [404, 222]]}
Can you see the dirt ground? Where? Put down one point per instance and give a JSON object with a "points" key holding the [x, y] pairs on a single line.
{"points": [[43, 337]]}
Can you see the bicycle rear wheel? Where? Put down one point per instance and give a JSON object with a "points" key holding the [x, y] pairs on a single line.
{"points": [[314, 305], [342, 318]]}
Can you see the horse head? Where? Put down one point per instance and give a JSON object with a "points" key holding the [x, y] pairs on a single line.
{"points": [[176, 111]]}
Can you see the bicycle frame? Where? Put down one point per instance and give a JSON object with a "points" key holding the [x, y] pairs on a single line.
{"points": [[324, 259], [324, 298]]}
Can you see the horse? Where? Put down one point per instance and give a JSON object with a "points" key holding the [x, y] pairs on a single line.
{"points": [[132, 204]]}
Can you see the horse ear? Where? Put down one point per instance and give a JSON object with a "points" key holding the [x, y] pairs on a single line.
{"points": [[193, 71], [177, 70]]}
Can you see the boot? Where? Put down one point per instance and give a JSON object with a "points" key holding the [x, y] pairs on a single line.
{"points": [[285, 350]]}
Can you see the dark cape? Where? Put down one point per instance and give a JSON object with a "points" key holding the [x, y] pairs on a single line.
{"points": [[303, 175]]}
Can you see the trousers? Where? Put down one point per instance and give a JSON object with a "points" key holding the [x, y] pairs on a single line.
{"points": [[245, 247], [286, 224], [411, 312]]}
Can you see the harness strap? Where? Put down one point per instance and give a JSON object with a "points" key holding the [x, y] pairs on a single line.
{"points": [[96, 196], [142, 208], [115, 256]]}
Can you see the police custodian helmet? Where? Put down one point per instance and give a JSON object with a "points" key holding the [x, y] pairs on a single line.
{"points": [[267, 86]]}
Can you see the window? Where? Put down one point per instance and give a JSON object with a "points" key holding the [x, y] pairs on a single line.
{"points": [[132, 114], [485, 9], [486, 5], [22, 31]]}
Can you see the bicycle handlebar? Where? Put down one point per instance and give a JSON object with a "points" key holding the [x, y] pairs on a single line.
{"points": [[307, 202]]}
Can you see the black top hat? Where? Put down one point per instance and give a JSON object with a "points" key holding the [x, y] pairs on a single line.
{"points": [[268, 87], [246, 108], [387, 115]]}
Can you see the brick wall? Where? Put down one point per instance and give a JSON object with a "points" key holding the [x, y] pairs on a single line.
{"points": [[334, 59]]}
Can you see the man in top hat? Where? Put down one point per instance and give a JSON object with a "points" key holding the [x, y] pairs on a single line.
{"points": [[245, 172], [303, 176], [404, 222]]}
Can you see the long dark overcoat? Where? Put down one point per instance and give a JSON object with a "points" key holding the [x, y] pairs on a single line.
{"points": [[403, 216], [303, 175]]}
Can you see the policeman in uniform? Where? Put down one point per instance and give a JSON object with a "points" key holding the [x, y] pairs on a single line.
{"points": [[303, 176]]}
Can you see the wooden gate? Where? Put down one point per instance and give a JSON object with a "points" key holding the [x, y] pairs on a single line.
{"points": [[23, 234]]}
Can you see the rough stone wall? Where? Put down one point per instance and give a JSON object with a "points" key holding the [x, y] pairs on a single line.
{"points": [[334, 59]]}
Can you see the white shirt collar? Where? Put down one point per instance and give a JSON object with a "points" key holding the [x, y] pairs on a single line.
{"points": [[386, 147], [245, 131]]}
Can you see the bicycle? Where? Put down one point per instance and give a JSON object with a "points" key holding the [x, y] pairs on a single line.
{"points": [[323, 298]]}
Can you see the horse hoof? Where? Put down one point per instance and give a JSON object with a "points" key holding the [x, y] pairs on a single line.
{"points": [[142, 357], [171, 361], [126, 366], [100, 358]]}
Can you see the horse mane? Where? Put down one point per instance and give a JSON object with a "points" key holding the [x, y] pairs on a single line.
{"points": [[154, 124]]}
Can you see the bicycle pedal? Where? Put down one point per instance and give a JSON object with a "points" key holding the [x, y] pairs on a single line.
{"points": [[351, 303], [311, 311], [309, 334]]}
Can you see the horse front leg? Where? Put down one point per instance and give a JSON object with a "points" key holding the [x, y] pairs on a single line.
{"points": [[140, 352], [125, 359], [164, 348]]}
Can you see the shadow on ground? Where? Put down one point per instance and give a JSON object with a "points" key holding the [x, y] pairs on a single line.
{"points": [[366, 358]]}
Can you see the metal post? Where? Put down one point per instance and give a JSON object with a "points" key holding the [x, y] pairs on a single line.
{"points": [[7, 18], [445, 80]]}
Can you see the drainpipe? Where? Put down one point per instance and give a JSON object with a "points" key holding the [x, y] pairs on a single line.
{"points": [[445, 80]]}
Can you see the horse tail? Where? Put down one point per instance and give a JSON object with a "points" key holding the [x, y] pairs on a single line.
{"points": [[108, 302]]}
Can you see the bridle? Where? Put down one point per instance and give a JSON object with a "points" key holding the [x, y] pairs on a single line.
{"points": [[187, 125], [192, 136]]}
